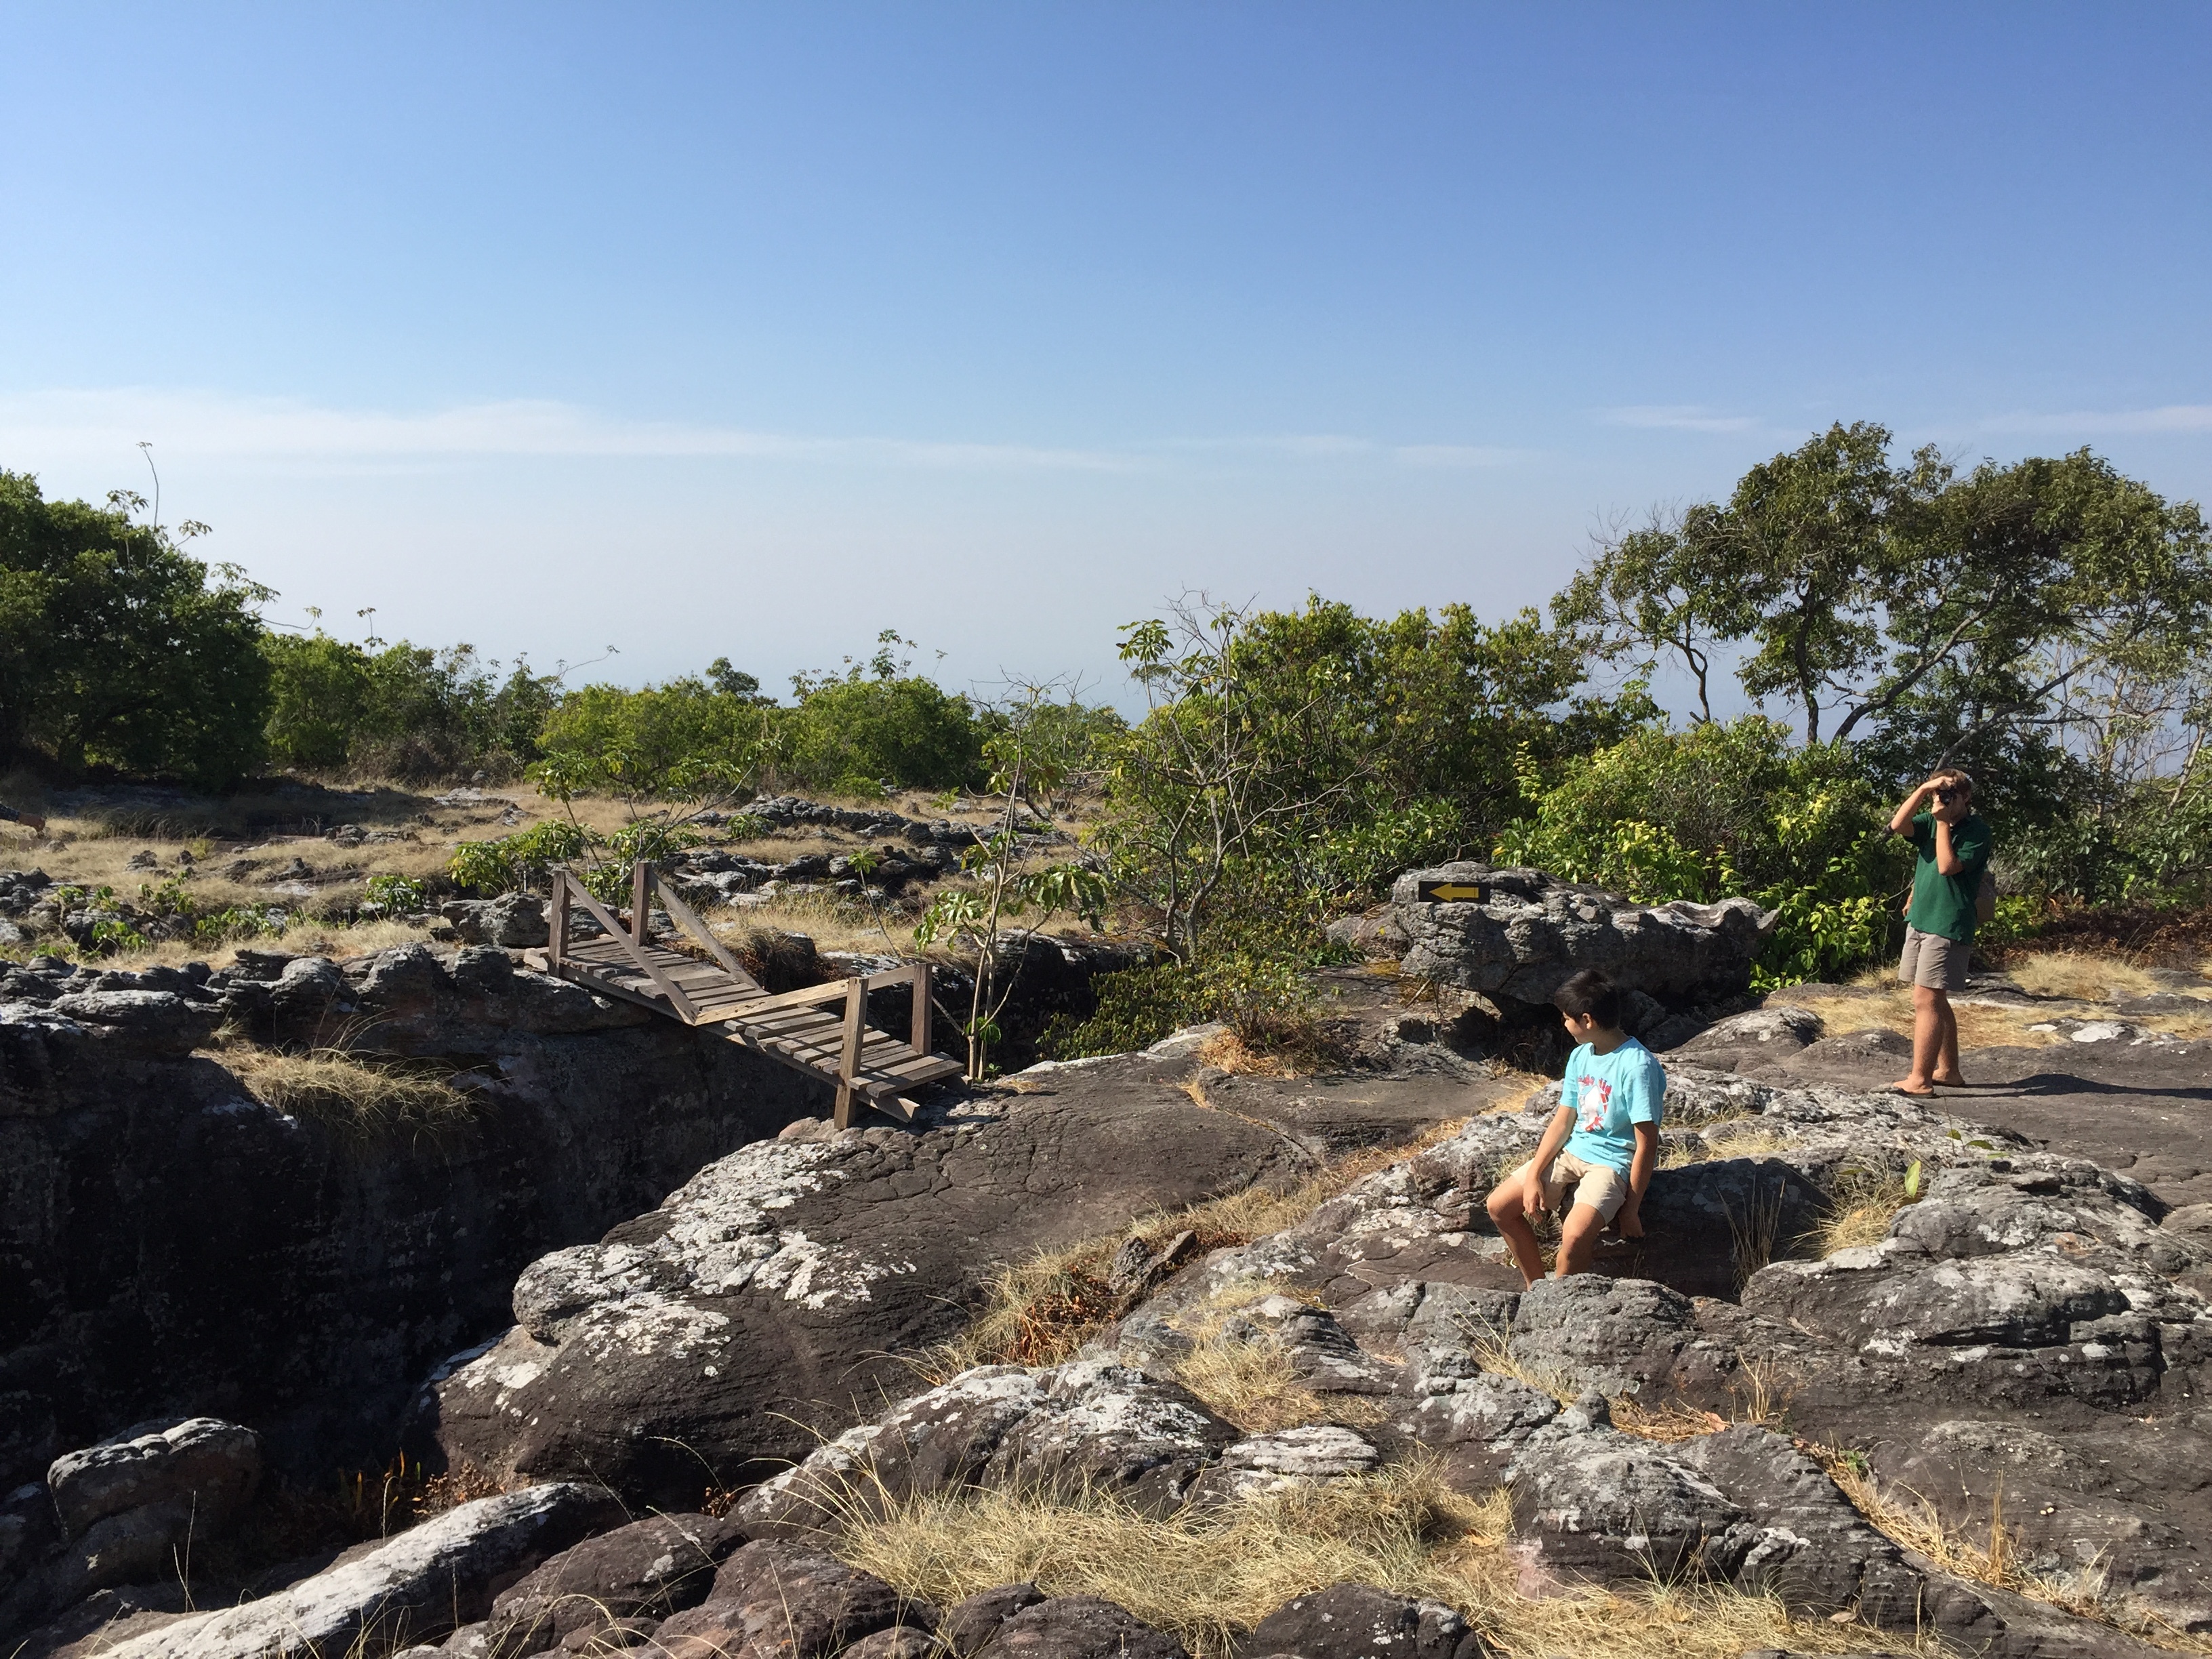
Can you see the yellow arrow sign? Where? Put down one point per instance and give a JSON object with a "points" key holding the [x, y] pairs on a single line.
{"points": [[1453, 892]]}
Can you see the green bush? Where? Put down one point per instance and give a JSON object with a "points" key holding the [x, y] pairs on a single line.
{"points": [[857, 736], [489, 868], [395, 895], [1725, 810], [1135, 1008], [404, 711]]}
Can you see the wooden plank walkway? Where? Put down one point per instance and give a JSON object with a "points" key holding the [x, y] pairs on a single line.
{"points": [[798, 1029]]}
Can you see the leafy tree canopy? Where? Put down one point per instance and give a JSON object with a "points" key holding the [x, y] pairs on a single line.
{"points": [[118, 649], [1859, 589]]}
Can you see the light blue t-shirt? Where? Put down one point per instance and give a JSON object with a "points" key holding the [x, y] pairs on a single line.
{"points": [[1611, 1094]]}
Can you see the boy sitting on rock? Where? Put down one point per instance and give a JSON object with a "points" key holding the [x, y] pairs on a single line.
{"points": [[1601, 1144]]}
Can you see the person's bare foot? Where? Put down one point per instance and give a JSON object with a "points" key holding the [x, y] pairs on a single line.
{"points": [[1953, 1082], [1909, 1086]]}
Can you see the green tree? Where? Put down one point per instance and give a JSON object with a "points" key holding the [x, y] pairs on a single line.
{"points": [[403, 710], [1907, 606], [118, 649], [1291, 758], [879, 723]]}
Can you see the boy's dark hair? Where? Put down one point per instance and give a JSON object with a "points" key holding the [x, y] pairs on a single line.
{"points": [[1591, 992]]}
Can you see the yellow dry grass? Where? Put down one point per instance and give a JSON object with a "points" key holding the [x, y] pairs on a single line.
{"points": [[1210, 1576], [831, 921], [1254, 1386], [1253, 1382], [2078, 975], [359, 1095], [1860, 1207], [1493, 1348], [1230, 1053], [1981, 1025], [1670, 1423]]}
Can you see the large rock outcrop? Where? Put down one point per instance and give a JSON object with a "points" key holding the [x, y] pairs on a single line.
{"points": [[769, 1297], [169, 1246], [1535, 931], [2026, 1325]]}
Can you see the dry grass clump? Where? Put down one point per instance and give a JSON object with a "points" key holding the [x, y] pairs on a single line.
{"points": [[1493, 1348], [1254, 1385], [1210, 1576], [359, 1095], [1251, 1381], [1670, 1425], [1860, 1207], [2077, 974], [833, 921], [1227, 1051], [1708, 1148], [1981, 1025]]}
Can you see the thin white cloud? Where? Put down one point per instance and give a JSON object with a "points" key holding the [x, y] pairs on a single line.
{"points": [[71, 422], [1329, 445], [1678, 417], [37, 426], [2170, 418], [1459, 455]]}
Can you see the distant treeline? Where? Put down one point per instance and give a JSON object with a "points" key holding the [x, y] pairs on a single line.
{"points": [[2045, 624], [122, 654]]}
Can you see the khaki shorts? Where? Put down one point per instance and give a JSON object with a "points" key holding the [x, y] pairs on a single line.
{"points": [[1600, 1186], [1933, 961]]}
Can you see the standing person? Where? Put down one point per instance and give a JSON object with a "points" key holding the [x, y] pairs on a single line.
{"points": [[1601, 1144], [1953, 846], [30, 820]]}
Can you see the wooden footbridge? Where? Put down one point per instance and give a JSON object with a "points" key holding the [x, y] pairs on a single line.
{"points": [[808, 1030]]}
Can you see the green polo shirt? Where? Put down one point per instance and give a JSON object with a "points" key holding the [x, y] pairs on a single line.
{"points": [[1945, 904]]}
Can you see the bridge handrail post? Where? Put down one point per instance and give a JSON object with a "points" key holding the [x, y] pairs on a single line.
{"points": [[848, 1062], [557, 935], [918, 1028]]}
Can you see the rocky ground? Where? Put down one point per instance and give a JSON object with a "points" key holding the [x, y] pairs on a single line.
{"points": [[1919, 1372]]}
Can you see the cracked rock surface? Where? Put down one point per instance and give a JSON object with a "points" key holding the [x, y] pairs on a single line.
{"points": [[767, 1297]]}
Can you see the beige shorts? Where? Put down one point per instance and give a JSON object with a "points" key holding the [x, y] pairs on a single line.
{"points": [[1933, 961], [1600, 1186]]}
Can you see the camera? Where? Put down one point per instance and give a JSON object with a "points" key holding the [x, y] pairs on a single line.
{"points": [[1945, 797]]}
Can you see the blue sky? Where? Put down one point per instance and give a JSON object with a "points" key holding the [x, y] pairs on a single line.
{"points": [[746, 332]]}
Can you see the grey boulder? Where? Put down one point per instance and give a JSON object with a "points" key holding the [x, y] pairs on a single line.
{"points": [[1090, 1423], [788, 1598], [650, 1568], [1535, 931], [1358, 1621], [403, 1590], [1080, 1627]]}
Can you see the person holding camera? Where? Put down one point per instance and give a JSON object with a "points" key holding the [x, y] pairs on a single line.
{"points": [[1954, 848]]}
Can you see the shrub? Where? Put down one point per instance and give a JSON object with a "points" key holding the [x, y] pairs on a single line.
{"points": [[1723, 809], [395, 896], [404, 711], [855, 736], [488, 868]]}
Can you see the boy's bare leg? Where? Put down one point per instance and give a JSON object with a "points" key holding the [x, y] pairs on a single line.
{"points": [[1947, 1052], [1578, 1239], [1930, 1009], [1513, 1227]]}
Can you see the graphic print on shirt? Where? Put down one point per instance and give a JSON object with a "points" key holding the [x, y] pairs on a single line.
{"points": [[1596, 1097]]}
